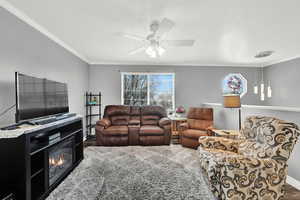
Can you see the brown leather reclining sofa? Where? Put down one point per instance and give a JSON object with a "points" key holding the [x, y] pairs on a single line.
{"points": [[133, 125]]}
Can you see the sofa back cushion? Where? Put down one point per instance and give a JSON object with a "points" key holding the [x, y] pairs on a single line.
{"points": [[150, 120], [199, 124], [135, 113], [268, 137], [200, 113], [120, 120], [119, 115], [200, 118], [150, 115]]}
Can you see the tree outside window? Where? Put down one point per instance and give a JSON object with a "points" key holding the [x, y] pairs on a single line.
{"points": [[148, 89]]}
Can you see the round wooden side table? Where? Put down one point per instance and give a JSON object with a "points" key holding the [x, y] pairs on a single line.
{"points": [[176, 121]]}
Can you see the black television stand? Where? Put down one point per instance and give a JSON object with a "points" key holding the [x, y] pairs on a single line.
{"points": [[17, 126], [41, 121], [39, 159], [51, 119], [65, 116]]}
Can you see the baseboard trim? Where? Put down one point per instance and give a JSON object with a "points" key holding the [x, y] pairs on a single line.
{"points": [[293, 182]]}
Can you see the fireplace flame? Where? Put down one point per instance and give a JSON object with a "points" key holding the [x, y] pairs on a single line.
{"points": [[57, 162], [60, 161]]}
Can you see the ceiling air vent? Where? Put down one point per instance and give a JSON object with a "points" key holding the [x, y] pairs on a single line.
{"points": [[264, 54]]}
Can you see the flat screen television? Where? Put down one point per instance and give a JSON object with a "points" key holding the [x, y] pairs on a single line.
{"points": [[39, 97]]}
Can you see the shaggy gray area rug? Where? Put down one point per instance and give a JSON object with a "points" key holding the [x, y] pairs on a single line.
{"points": [[135, 172]]}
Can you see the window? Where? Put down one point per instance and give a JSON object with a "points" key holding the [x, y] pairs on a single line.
{"points": [[235, 84], [148, 89]]}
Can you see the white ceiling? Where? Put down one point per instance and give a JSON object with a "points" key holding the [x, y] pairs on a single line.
{"points": [[227, 33]]}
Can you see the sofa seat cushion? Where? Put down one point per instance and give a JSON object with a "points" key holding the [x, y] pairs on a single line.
{"points": [[209, 157], [194, 134], [151, 130], [116, 131]]}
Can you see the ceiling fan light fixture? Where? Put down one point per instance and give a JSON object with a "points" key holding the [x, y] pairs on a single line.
{"points": [[151, 52], [160, 50], [155, 51], [157, 36]]}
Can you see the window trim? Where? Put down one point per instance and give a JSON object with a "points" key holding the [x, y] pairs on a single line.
{"points": [[148, 81]]}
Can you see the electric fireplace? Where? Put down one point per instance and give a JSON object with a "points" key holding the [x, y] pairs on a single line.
{"points": [[60, 159]]}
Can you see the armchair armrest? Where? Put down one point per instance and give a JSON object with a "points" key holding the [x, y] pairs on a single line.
{"points": [[244, 163], [183, 126], [220, 143], [105, 123], [164, 122], [210, 130]]}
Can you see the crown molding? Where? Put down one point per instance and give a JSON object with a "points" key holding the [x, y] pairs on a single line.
{"points": [[25, 18], [281, 61], [171, 64]]}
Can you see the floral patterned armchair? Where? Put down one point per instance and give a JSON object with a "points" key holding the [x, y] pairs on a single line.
{"points": [[252, 167]]}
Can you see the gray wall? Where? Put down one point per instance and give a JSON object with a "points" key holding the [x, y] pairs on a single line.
{"points": [[26, 50], [193, 85], [285, 79]]}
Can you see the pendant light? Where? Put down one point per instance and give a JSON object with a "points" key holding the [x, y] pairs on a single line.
{"points": [[260, 55], [262, 86], [269, 90], [255, 87]]}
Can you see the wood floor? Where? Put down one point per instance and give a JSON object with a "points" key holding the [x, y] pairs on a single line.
{"points": [[291, 192]]}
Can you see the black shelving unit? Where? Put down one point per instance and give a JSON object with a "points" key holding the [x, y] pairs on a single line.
{"points": [[7, 196], [90, 104]]}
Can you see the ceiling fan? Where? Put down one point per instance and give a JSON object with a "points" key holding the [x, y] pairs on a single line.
{"points": [[155, 42]]}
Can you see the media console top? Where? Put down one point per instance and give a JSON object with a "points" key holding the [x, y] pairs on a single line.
{"points": [[27, 128]]}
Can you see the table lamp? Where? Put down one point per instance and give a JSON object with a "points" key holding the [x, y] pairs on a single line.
{"points": [[233, 101]]}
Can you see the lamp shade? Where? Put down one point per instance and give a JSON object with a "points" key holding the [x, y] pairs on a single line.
{"points": [[232, 101]]}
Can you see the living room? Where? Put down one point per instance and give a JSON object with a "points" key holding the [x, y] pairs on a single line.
{"points": [[198, 60]]}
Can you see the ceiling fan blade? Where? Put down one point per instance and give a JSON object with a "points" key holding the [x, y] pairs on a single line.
{"points": [[131, 36], [165, 26], [178, 43], [137, 50]]}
